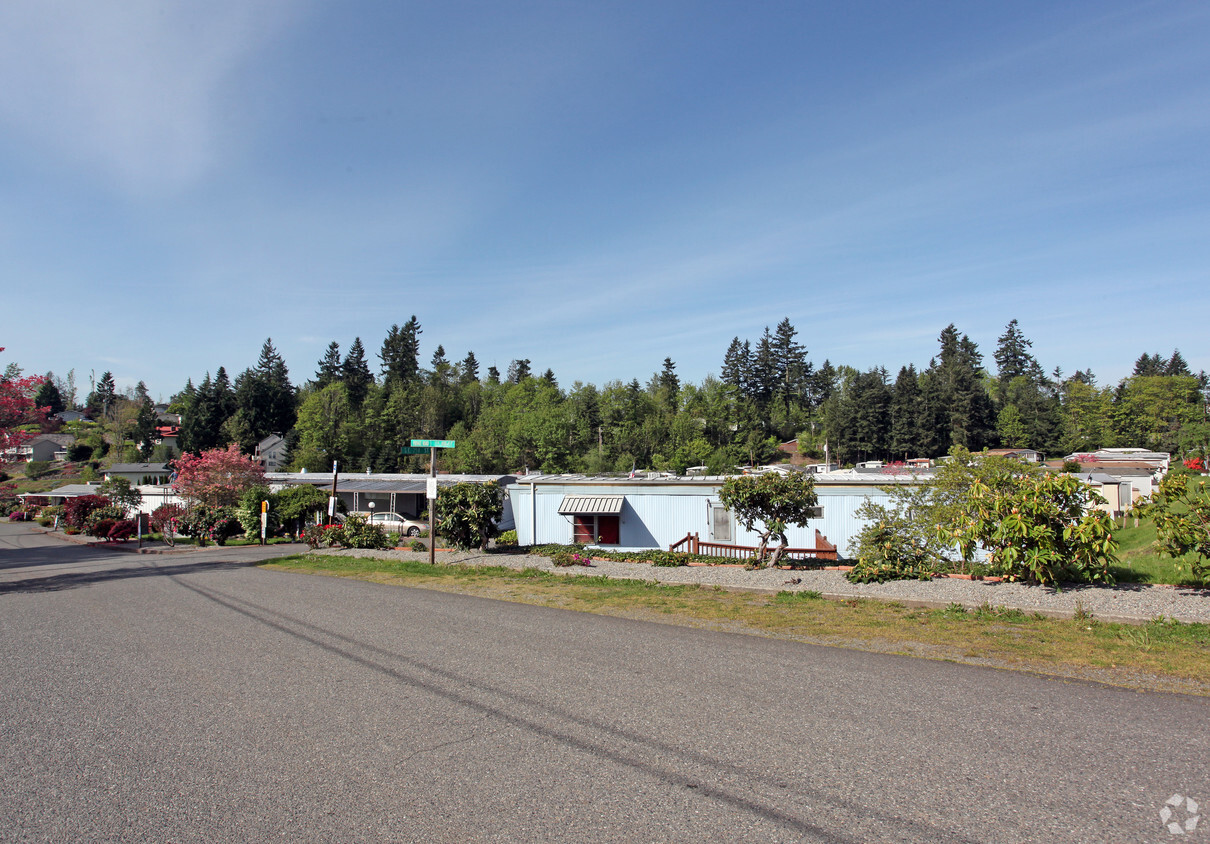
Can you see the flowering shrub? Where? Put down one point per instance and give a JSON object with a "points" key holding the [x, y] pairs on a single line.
{"points": [[210, 524], [565, 559], [77, 510], [17, 516], [122, 531], [355, 533], [316, 535], [1197, 464], [166, 520]]}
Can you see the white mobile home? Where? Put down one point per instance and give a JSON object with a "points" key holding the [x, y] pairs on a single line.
{"points": [[655, 512]]}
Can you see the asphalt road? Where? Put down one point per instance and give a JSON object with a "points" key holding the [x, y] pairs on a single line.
{"points": [[195, 698]]}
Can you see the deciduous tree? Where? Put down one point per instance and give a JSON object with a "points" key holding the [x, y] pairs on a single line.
{"points": [[17, 409], [217, 477], [772, 500]]}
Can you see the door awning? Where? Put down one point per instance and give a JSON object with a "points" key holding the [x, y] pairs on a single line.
{"points": [[591, 505]]}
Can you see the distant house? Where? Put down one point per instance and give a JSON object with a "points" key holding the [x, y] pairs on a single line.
{"points": [[1026, 455], [43, 448], [271, 453], [169, 435], [60, 494], [1157, 461], [1116, 491], [140, 474], [790, 448], [72, 416], [405, 494]]}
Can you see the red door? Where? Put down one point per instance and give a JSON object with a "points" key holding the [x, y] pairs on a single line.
{"points": [[608, 530]]}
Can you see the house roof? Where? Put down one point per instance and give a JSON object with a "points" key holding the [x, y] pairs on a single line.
{"points": [[69, 491], [57, 439], [134, 468], [382, 482]]}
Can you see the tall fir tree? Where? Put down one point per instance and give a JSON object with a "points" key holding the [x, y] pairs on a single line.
{"points": [[356, 375], [400, 353], [468, 370], [329, 370]]}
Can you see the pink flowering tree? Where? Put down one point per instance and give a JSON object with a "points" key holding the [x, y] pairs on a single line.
{"points": [[217, 477], [17, 409]]}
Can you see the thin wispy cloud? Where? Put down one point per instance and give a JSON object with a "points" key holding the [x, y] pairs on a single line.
{"points": [[136, 94]]}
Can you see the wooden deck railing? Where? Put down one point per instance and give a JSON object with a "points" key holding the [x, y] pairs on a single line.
{"points": [[692, 544]]}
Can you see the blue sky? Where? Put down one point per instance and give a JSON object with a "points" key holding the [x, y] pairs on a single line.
{"points": [[596, 186]]}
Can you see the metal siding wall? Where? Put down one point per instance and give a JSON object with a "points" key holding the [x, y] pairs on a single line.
{"points": [[666, 518]]}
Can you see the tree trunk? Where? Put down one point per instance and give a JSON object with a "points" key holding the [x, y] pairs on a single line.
{"points": [[761, 551], [779, 550]]}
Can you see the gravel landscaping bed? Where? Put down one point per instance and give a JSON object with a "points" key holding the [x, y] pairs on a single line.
{"points": [[1134, 603]]}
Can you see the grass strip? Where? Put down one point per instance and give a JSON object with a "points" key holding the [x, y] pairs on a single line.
{"points": [[1162, 655]]}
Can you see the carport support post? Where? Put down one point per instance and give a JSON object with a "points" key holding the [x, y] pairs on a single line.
{"points": [[432, 491]]}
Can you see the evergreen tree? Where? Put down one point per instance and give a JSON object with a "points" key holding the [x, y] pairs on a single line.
{"points": [[737, 365], [49, 397], [906, 431], [764, 380], [668, 385], [400, 353], [329, 366], [469, 370], [493, 375], [858, 418], [355, 374], [101, 399], [793, 370], [442, 372], [202, 423], [1013, 357], [265, 401], [959, 409], [518, 371], [822, 384], [182, 402], [144, 433], [1176, 366], [1148, 365]]}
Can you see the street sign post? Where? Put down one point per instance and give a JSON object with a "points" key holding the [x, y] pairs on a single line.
{"points": [[431, 446]]}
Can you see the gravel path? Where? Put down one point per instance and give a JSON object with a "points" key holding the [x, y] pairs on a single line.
{"points": [[1131, 603]]}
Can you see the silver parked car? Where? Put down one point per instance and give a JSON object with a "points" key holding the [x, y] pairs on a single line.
{"points": [[395, 523]]}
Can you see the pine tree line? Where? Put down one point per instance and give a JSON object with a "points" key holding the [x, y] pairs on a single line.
{"points": [[768, 392]]}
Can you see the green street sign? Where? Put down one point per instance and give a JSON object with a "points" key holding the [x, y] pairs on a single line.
{"points": [[432, 443], [409, 450]]}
